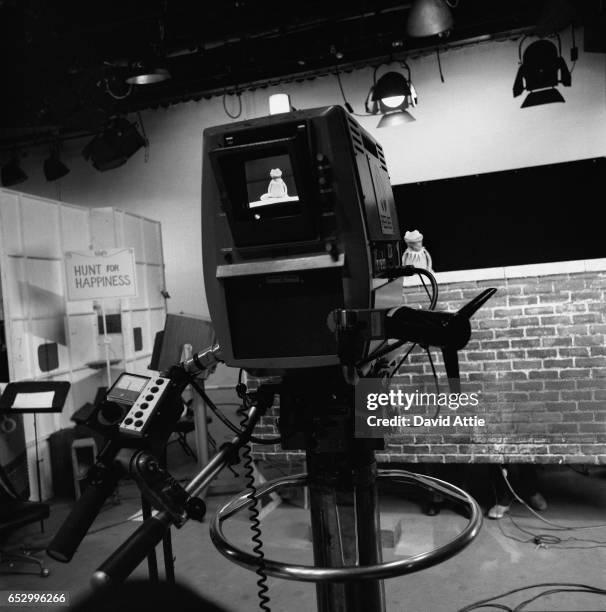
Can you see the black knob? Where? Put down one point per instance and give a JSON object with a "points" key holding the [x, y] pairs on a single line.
{"points": [[152, 466], [109, 413], [196, 509]]}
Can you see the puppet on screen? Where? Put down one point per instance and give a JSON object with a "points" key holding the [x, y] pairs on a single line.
{"points": [[416, 254], [277, 187]]}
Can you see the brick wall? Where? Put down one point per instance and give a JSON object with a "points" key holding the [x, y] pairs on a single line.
{"points": [[537, 354]]}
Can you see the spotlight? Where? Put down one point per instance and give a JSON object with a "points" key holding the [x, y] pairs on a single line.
{"points": [[391, 90], [114, 146], [392, 95], [429, 18], [279, 103], [147, 73], [54, 168], [541, 70], [393, 119], [12, 173]]}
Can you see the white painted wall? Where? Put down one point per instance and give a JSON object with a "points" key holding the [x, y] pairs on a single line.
{"points": [[469, 124]]}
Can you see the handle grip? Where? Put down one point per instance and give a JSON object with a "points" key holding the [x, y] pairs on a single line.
{"points": [[66, 541], [132, 552]]}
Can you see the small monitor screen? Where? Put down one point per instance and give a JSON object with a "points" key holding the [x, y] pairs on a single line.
{"points": [[269, 181]]}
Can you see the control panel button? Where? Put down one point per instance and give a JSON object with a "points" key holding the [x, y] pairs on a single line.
{"points": [[142, 412]]}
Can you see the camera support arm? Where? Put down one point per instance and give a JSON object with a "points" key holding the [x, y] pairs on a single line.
{"points": [[127, 557], [121, 455]]}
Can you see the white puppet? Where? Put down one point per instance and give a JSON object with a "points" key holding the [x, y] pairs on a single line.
{"points": [[416, 254], [277, 187]]}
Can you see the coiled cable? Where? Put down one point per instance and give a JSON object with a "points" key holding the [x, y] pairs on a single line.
{"points": [[253, 508]]}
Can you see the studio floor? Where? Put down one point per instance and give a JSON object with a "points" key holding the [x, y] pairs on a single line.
{"points": [[492, 564]]}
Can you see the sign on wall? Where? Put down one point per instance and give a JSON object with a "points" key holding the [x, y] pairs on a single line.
{"points": [[108, 273]]}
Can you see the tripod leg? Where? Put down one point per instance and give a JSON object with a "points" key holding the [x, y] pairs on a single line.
{"points": [[167, 544], [152, 560], [169, 564]]}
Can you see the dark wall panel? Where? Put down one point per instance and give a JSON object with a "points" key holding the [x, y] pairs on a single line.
{"points": [[530, 215]]}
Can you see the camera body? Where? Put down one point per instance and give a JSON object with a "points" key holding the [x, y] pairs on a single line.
{"points": [[298, 219]]}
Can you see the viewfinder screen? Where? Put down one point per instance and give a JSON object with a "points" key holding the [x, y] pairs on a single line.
{"points": [[269, 181]]}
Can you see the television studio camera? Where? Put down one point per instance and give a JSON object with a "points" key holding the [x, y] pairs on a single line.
{"points": [[299, 233]]}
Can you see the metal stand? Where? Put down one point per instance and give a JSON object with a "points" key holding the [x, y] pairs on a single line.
{"points": [[200, 430], [339, 583], [345, 528], [316, 413], [167, 551], [38, 478], [169, 563], [199, 410], [106, 343], [152, 560]]}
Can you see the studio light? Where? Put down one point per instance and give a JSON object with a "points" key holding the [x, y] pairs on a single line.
{"points": [[54, 168], [147, 73], [114, 146], [397, 118], [429, 18], [541, 69], [392, 95], [151, 67], [12, 173], [279, 103]]}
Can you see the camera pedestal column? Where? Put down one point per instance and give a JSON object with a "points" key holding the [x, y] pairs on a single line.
{"points": [[345, 526]]}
